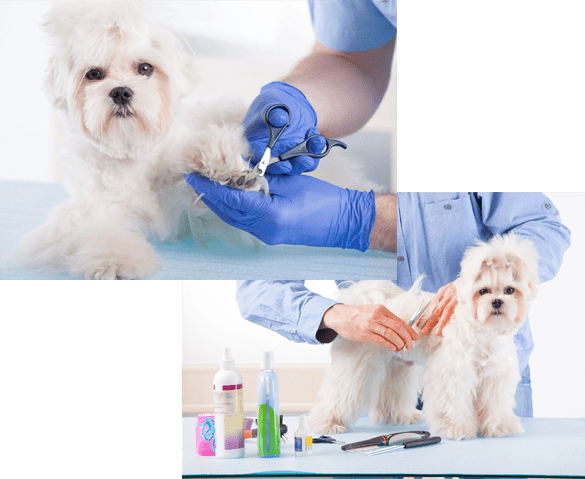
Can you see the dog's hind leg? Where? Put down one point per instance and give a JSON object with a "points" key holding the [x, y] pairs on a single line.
{"points": [[397, 399], [356, 369]]}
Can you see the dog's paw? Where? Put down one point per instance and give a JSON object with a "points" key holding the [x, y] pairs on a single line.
{"points": [[405, 418], [326, 425], [459, 431], [126, 256], [509, 427], [248, 180]]}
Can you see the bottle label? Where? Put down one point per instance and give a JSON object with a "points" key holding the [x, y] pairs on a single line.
{"points": [[225, 399], [230, 401], [303, 444]]}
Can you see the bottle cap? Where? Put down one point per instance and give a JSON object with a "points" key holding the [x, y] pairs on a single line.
{"points": [[267, 360], [227, 362], [303, 422]]}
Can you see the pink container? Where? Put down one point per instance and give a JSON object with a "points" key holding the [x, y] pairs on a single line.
{"points": [[205, 435]]}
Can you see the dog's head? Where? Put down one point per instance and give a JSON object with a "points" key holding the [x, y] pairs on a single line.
{"points": [[118, 77], [498, 280]]}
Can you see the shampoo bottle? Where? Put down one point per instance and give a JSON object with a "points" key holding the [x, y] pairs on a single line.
{"points": [[303, 438], [229, 409], [268, 418]]}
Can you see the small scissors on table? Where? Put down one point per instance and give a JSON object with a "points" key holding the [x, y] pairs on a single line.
{"points": [[301, 149]]}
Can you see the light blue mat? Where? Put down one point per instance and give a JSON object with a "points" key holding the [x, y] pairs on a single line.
{"points": [[548, 447], [24, 206]]}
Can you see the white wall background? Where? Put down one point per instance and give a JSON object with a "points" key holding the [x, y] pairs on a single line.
{"points": [[211, 322], [240, 45]]}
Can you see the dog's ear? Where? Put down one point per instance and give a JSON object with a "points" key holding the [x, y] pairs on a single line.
{"points": [[54, 83], [184, 75], [523, 259]]}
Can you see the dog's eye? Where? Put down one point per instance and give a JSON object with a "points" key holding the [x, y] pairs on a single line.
{"points": [[145, 69], [509, 290], [95, 74], [483, 291]]}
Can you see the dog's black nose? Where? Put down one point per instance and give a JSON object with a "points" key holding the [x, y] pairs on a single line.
{"points": [[121, 95], [497, 303]]}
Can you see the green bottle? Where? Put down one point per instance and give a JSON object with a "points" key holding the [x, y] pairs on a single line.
{"points": [[268, 418]]}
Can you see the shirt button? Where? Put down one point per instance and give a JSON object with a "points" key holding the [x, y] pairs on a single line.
{"points": [[400, 258], [447, 207], [547, 206]]}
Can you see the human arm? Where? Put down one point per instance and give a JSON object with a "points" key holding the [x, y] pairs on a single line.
{"points": [[286, 307], [291, 310], [345, 89]]}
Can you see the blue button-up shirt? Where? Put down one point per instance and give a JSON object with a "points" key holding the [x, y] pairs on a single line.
{"points": [[434, 229], [353, 25]]}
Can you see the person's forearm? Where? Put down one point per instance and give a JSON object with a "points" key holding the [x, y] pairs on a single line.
{"points": [[344, 88], [384, 232]]}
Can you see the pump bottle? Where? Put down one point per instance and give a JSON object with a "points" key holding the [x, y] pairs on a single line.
{"points": [[268, 408], [228, 397]]}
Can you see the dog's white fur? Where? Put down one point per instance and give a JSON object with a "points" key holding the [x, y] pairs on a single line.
{"points": [[125, 164], [468, 376]]}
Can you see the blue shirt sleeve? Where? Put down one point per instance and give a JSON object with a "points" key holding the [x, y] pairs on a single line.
{"points": [[353, 25], [286, 307]]}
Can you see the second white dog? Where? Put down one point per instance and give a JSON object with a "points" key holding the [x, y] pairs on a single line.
{"points": [[468, 376]]}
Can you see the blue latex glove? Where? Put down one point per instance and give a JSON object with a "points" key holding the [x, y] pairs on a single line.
{"points": [[302, 125], [301, 210]]}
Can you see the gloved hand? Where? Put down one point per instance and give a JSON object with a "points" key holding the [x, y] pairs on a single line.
{"points": [[301, 210], [303, 124]]}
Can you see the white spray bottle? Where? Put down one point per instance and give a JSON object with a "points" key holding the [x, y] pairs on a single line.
{"points": [[229, 409]]}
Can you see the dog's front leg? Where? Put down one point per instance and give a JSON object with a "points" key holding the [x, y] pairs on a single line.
{"points": [[217, 152], [495, 402], [449, 385]]}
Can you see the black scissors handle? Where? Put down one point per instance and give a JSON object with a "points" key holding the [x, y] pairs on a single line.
{"points": [[275, 131], [302, 149]]}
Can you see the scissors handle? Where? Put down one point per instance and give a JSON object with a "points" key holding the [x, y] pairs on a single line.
{"points": [[302, 149], [274, 132]]}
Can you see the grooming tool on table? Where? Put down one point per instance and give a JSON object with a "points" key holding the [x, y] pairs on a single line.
{"points": [[417, 314], [427, 441], [251, 433], [326, 440], [301, 149], [376, 442]]}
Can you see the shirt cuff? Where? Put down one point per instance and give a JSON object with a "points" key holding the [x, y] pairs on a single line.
{"points": [[310, 320]]}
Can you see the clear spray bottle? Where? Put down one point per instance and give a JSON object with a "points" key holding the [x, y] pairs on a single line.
{"points": [[228, 396], [268, 408]]}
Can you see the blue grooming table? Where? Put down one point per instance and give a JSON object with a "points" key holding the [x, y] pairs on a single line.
{"points": [[24, 206], [548, 447]]}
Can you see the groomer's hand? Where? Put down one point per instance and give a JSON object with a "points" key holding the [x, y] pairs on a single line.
{"points": [[303, 124], [440, 310], [372, 323], [301, 210]]}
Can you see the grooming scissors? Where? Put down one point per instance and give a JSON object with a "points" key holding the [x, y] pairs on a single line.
{"points": [[274, 133]]}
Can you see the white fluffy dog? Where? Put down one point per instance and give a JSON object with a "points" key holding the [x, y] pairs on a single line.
{"points": [[123, 85], [468, 376]]}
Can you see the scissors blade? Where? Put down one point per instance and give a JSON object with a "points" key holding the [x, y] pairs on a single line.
{"points": [[264, 162], [418, 312]]}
